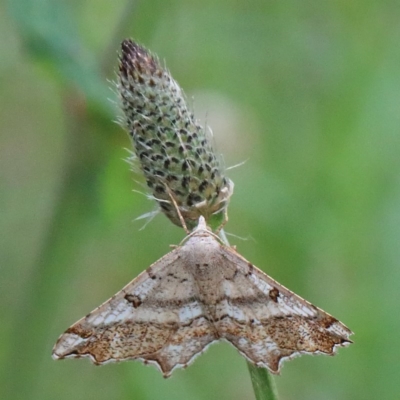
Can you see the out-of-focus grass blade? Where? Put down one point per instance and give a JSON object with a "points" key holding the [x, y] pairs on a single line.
{"points": [[50, 34]]}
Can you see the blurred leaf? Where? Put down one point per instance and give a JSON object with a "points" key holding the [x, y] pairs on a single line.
{"points": [[50, 34]]}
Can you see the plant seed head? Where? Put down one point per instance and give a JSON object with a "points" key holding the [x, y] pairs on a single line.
{"points": [[173, 150]]}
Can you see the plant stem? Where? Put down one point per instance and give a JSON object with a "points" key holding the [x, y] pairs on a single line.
{"points": [[263, 383]]}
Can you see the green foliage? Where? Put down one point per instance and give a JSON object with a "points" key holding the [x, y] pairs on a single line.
{"points": [[49, 34], [307, 94]]}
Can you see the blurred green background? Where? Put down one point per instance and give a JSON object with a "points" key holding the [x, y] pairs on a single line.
{"points": [[307, 92]]}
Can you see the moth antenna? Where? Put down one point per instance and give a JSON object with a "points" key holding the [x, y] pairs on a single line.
{"points": [[177, 209], [224, 222]]}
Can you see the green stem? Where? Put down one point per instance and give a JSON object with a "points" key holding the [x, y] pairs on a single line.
{"points": [[263, 383]]}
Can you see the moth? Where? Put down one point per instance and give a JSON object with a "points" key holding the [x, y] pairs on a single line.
{"points": [[199, 293]]}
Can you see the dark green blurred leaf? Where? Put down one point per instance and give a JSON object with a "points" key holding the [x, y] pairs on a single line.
{"points": [[51, 35]]}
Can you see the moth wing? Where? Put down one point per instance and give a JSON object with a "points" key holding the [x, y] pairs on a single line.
{"points": [[156, 318], [267, 322]]}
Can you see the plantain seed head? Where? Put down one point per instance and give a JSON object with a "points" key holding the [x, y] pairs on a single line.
{"points": [[174, 151]]}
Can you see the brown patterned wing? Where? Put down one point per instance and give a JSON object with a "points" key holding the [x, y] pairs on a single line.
{"points": [[268, 323], [157, 318]]}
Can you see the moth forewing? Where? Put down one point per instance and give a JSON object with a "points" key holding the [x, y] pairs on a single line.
{"points": [[201, 292]]}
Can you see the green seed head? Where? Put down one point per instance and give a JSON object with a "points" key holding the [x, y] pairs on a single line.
{"points": [[173, 150]]}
